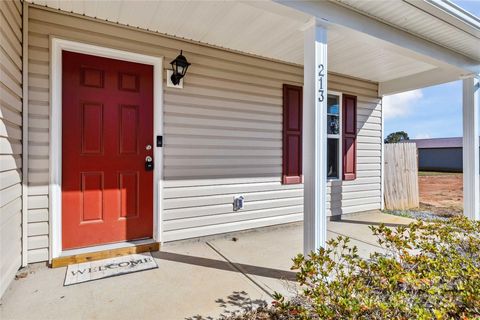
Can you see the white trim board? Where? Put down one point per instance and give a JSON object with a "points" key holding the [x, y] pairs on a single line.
{"points": [[340, 135], [55, 189], [25, 134]]}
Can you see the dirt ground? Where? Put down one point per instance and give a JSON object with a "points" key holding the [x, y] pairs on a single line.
{"points": [[441, 193]]}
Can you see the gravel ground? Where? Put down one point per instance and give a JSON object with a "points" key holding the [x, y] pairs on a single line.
{"points": [[418, 215]]}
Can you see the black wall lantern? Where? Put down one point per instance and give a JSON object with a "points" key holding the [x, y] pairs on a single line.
{"points": [[179, 68]]}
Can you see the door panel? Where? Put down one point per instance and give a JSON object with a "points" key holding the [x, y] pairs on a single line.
{"points": [[128, 129], [92, 196], [107, 121], [92, 128]]}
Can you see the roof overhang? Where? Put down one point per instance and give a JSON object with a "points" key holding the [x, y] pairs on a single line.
{"points": [[452, 14], [364, 41]]}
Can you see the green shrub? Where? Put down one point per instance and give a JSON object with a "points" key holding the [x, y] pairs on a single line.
{"points": [[426, 271]]}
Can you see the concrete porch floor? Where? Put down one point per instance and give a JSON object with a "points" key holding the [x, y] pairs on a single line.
{"points": [[196, 279]]}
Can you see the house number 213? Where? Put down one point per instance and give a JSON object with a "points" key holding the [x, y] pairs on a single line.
{"points": [[321, 75]]}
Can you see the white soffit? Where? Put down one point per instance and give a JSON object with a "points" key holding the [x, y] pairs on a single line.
{"points": [[234, 25], [425, 20], [354, 53], [257, 27]]}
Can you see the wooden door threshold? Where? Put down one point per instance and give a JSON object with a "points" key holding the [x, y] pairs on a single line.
{"points": [[66, 260]]}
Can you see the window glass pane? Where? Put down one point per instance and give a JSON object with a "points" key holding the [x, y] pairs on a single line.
{"points": [[333, 105], [332, 158], [333, 125]]}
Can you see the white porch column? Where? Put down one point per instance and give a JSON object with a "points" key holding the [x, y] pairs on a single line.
{"points": [[315, 137], [471, 189]]}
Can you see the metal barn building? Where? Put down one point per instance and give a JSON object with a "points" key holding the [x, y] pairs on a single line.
{"points": [[440, 154]]}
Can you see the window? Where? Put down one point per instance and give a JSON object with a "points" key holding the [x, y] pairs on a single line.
{"points": [[334, 134], [341, 135]]}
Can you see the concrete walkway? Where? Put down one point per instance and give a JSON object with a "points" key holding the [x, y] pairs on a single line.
{"points": [[201, 279]]}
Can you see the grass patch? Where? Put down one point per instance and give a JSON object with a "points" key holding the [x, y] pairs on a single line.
{"points": [[437, 173]]}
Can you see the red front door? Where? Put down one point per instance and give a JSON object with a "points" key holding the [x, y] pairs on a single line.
{"points": [[107, 116]]}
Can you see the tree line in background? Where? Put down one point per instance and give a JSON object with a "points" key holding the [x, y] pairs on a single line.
{"points": [[395, 137]]}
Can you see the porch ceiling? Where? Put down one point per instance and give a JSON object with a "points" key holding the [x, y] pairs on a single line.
{"points": [[262, 28]]}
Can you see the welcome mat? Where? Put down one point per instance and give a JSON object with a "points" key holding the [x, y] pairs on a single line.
{"points": [[89, 271]]}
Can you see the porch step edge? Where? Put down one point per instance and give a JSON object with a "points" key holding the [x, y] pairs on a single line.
{"points": [[104, 254]]}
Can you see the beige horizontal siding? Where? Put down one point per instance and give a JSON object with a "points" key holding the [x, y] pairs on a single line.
{"points": [[363, 193], [38, 161], [223, 133], [10, 141]]}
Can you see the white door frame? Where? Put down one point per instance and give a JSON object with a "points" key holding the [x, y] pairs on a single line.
{"points": [[55, 200]]}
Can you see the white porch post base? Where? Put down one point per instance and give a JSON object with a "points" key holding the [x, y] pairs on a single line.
{"points": [[315, 137], [471, 189]]}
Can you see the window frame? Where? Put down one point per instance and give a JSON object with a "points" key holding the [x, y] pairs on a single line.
{"points": [[337, 136]]}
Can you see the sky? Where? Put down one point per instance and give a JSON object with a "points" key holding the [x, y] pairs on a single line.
{"points": [[433, 112]]}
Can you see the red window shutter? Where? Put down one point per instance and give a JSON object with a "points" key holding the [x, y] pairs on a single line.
{"points": [[349, 137], [292, 134]]}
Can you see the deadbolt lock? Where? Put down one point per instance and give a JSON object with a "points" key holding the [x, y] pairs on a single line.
{"points": [[148, 163]]}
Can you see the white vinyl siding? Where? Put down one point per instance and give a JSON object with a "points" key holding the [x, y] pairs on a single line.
{"points": [[10, 141], [222, 132]]}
